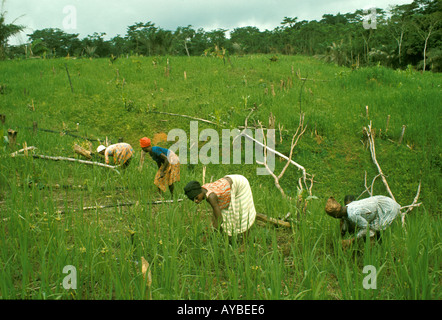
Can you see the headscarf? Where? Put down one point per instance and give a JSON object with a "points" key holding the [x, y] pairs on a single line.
{"points": [[192, 189], [332, 206], [100, 148], [145, 142]]}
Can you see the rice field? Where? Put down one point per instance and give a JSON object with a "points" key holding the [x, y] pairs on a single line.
{"points": [[54, 246]]}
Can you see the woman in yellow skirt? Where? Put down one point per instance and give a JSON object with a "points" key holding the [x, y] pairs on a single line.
{"points": [[120, 153], [168, 165]]}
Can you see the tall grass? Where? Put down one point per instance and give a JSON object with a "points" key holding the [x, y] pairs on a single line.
{"points": [[304, 262]]}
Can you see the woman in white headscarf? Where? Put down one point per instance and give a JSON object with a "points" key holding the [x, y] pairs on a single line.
{"points": [[120, 153]]}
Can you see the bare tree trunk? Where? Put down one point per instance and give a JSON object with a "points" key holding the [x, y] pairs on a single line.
{"points": [[425, 51], [187, 50], [400, 45]]}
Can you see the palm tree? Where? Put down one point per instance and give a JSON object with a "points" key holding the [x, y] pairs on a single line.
{"points": [[7, 30], [335, 53]]}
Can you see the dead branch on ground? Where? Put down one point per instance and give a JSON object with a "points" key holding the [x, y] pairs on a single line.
{"points": [[184, 116], [80, 150], [277, 222], [125, 204], [370, 136], [303, 179], [39, 156], [294, 142], [413, 205], [25, 149], [369, 133], [369, 190]]}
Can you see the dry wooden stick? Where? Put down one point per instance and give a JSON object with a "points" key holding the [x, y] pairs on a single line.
{"points": [[69, 77], [275, 178], [39, 156], [402, 134], [373, 156], [277, 153], [309, 189], [184, 116], [274, 221], [247, 118], [295, 140], [147, 276], [369, 191], [126, 204], [294, 143], [412, 205], [22, 150], [61, 133], [297, 135]]}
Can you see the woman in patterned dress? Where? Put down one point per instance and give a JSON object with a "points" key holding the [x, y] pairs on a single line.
{"points": [[120, 153], [168, 165], [231, 200]]}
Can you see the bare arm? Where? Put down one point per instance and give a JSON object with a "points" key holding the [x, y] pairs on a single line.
{"points": [[143, 155], [106, 157], [166, 164], [217, 217]]}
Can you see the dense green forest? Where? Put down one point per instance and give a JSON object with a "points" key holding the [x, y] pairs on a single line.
{"points": [[397, 36]]}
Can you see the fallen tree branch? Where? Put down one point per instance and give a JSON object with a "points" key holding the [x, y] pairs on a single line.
{"points": [[369, 191], [39, 156], [261, 217], [294, 143], [370, 137], [274, 221], [410, 207], [22, 150], [62, 133], [413, 205], [277, 153], [126, 204], [184, 116], [299, 132]]}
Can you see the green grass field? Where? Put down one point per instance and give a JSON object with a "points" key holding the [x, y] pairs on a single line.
{"points": [[303, 262]]}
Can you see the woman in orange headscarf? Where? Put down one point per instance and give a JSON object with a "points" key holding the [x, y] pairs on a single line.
{"points": [[168, 164]]}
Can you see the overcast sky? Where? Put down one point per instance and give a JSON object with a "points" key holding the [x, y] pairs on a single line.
{"points": [[114, 16]]}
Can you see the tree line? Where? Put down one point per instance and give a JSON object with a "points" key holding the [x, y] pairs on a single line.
{"points": [[397, 37]]}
